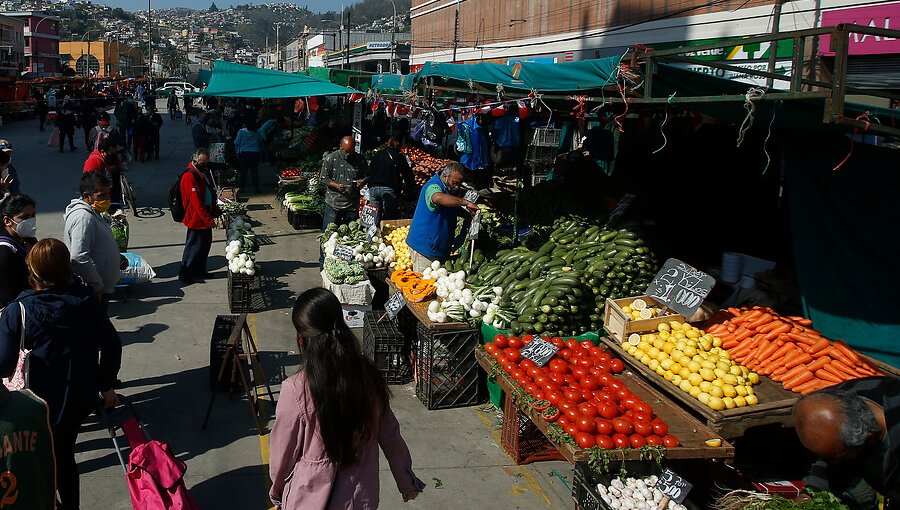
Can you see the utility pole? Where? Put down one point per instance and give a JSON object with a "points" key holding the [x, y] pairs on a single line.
{"points": [[150, 43], [456, 31], [393, 37], [348, 38], [277, 47], [773, 47]]}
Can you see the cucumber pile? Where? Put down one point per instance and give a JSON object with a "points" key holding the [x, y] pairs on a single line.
{"points": [[561, 288]]}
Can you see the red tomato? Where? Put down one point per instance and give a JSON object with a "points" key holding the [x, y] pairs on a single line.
{"points": [[517, 373], [533, 372], [604, 427], [558, 366], [604, 396], [627, 399], [654, 440], [554, 397], [557, 378], [587, 345], [605, 379], [671, 441], [641, 416], [595, 351], [580, 372], [660, 428], [490, 348], [527, 363], [602, 366], [571, 429], [615, 384], [501, 341], [643, 427], [623, 426], [527, 338], [587, 394], [550, 414], [513, 355], [616, 366], [644, 408], [604, 441], [531, 389], [584, 440], [571, 343], [557, 342], [572, 414], [604, 356], [588, 409], [608, 411], [621, 441], [586, 424], [515, 343], [541, 378], [571, 380], [565, 353], [562, 421], [565, 404], [539, 394], [573, 395], [585, 361], [623, 394], [637, 441]]}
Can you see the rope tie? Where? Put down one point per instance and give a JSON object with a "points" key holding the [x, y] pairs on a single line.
{"points": [[579, 110], [663, 125], [500, 92], [865, 118], [753, 94], [766, 141]]}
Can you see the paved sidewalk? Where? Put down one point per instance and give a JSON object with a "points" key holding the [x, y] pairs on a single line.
{"points": [[165, 328]]}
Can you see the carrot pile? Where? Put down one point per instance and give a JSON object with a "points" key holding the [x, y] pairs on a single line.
{"points": [[788, 350]]}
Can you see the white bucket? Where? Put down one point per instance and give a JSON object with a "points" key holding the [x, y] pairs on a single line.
{"points": [[732, 265]]}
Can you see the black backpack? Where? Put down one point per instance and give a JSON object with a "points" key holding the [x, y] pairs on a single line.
{"points": [[176, 203]]}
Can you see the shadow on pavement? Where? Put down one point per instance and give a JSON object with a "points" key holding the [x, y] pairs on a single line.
{"points": [[242, 485], [146, 334]]}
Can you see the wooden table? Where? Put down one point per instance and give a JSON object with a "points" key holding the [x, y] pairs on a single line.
{"points": [[420, 310], [775, 405], [690, 432]]}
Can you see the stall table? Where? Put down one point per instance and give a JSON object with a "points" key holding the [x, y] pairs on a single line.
{"points": [[691, 433], [775, 403]]}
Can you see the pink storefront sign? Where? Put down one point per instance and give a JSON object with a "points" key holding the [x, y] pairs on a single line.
{"points": [[879, 16]]}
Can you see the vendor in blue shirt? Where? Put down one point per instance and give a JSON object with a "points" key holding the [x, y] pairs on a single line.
{"points": [[430, 236]]}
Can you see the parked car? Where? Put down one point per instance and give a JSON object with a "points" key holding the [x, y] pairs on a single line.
{"points": [[176, 87]]}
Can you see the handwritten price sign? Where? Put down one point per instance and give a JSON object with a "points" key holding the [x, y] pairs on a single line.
{"points": [[680, 287], [344, 252], [394, 305], [539, 351], [673, 485]]}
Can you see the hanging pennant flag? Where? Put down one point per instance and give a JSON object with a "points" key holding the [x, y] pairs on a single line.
{"points": [[356, 97], [524, 110]]}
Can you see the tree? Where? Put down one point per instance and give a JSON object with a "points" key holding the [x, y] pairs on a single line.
{"points": [[213, 8]]}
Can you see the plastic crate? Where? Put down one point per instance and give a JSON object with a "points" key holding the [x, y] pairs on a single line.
{"points": [[222, 329], [447, 374], [305, 220], [537, 178], [378, 279], [385, 345], [240, 292], [546, 137], [522, 440], [542, 155]]}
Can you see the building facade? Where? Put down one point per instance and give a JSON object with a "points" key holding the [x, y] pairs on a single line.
{"points": [[12, 48], [102, 58], [41, 33], [368, 51]]}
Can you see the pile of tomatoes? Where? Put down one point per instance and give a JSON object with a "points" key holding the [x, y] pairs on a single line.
{"points": [[577, 390], [291, 172]]}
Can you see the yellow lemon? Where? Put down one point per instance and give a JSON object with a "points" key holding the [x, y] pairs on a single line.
{"points": [[729, 403], [751, 400], [653, 364], [668, 347], [653, 352], [716, 391], [705, 386], [719, 372], [695, 379], [645, 360], [666, 363], [679, 335], [677, 380], [739, 401], [716, 403], [693, 366], [626, 309], [730, 391], [676, 367], [717, 342], [692, 334], [707, 374], [729, 379], [741, 390], [685, 385], [662, 327], [750, 390], [724, 365], [753, 378], [694, 391], [689, 351], [666, 373], [704, 398], [683, 360], [713, 443]]}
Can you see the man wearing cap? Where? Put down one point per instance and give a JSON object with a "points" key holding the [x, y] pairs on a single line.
{"points": [[105, 160], [9, 179], [104, 129]]}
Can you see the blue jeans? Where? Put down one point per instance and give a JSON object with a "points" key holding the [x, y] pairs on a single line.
{"points": [[386, 200], [249, 162], [338, 216]]}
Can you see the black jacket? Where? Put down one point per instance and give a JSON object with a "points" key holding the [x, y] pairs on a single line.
{"points": [[13, 272], [66, 329], [390, 168]]}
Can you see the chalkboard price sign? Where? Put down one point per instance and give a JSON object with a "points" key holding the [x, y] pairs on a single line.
{"points": [[371, 232], [680, 287], [619, 210], [539, 351], [475, 226], [673, 485], [394, 305], [369, 216], [471, 196], [344, 252]]}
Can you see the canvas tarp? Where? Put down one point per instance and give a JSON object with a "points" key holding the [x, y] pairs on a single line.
{"points": [[568, 77], [359, 80], [236, 80], [389, 83]]}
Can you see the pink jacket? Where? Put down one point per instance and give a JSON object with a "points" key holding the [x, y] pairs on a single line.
{"points": [[303, 477]]}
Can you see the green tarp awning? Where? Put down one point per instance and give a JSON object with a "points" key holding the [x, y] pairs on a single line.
{"points": [[236, 80], [568, 77], [390, 83], [203, 76]]}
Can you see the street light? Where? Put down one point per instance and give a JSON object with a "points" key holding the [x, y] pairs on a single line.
{"points": [[88, 62], [277, 44], [393, 36], [33, 31], [339, 32]]}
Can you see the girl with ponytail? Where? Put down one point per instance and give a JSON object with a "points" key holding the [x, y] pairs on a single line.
{"points": [[331, 418]]}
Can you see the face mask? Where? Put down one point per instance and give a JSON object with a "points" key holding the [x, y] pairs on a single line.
{"points": [[101, 206], [26, 228], [201, 166]]}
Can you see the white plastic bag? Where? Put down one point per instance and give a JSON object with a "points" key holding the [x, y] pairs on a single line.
{"points": [[138, 270]]}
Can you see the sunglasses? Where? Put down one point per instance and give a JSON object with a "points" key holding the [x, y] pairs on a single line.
{"points": [[5, 146]]}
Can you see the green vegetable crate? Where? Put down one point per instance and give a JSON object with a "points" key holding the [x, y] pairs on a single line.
{"points": [[304, 220]]}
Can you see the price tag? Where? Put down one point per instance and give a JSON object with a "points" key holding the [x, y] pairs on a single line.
{"points": [[475, 226], [539, 351], [471, 196], [369, 216], [371, 232], [673, 485], [619, 210], [343, 252], [680, 287], [394, 305]]}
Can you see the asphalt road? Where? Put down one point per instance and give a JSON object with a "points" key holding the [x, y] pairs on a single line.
{"points": [[165, 328]]}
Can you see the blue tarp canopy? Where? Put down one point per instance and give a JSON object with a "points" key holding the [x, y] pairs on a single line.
{"points": [[568, 77], [236, 80]]}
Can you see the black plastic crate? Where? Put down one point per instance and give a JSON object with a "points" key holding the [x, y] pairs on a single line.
{"points": [[240, 292], [304, 220], [222, 329], [385, 345], [378, 279], [447, 374]]}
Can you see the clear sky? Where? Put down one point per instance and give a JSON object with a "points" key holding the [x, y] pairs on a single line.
{"points": [[133, 5]]}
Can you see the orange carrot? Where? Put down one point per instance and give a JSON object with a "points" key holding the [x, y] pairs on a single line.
{"points": [[850, 353], [765, 319], [845, 368], [715, 329], [818, 346], [809, 386], [782, 351], [819, 363], [804, 377], [778, 331], [734, 311], [827, 376], [834, 370], [803, 338], [803, 321], [742, 333], [801, 359], [793, 372], [730, 327], [779, 371], [765, 354]]}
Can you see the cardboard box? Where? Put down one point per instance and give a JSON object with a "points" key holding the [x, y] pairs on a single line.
{"points": [[786, 488], [354, 315]]}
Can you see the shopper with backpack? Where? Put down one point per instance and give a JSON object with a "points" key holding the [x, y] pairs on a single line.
{"points": [[199, 204], [104, 129], [75, 352]]}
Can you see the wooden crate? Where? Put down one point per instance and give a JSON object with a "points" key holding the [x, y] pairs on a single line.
{"points": [[775, 403], [686, 428], [619, 325]]}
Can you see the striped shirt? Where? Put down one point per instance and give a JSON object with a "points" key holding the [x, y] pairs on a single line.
{"points": [[879, 467]]}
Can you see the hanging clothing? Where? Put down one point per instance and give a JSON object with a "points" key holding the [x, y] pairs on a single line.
{"points": [[480, 157], [506, 131]]}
